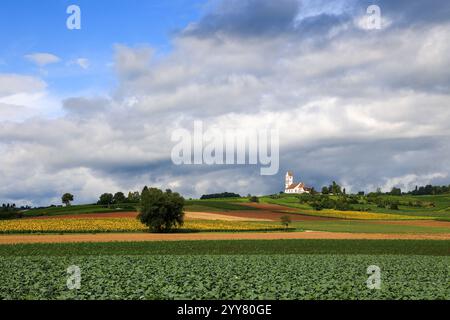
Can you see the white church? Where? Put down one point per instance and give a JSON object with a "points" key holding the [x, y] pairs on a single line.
{"points": [[294, 187]]}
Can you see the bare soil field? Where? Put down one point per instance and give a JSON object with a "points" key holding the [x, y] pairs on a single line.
{"points": [[267, 206], [139, 237], [226, 216], [246, 215], [273, 216]]}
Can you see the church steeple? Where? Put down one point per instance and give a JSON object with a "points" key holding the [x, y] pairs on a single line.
{"points": [[289, 179]]}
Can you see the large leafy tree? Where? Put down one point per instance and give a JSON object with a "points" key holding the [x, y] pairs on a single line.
{"points": [[119, 197], [106, 199], [161, 211], [67, 198]]}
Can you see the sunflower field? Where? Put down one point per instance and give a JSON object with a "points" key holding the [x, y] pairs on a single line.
{"points": [[118, 225]]}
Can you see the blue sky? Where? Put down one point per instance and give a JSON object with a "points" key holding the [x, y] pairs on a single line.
{"points": [[29, 26]]}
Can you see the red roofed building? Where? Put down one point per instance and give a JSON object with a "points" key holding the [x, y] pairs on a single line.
{"points": [[294, 187]]}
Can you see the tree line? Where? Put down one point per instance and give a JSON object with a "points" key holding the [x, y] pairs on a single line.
{"points": [[133, 197], [220, 196], [336, 189]]}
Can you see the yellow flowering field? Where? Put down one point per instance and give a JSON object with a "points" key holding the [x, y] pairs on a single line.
{"points": [[123, 225], [359, 215]]}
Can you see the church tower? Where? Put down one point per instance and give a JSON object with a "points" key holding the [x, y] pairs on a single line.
{"points": [[289, 179]]}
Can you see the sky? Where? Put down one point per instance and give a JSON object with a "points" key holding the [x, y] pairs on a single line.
{"points": [[93, 110]]}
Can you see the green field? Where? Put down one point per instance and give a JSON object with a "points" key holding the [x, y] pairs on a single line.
{"points": [[233, 247], [219, 205], [78, 209], [280, 269], [215, 205], [357, 226], [434, 207]]}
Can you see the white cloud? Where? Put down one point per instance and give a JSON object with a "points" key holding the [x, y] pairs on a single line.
{"points": [[14, 83], [81, 62], [42, 59], [410, 181], [367, 109], [24, 97]]}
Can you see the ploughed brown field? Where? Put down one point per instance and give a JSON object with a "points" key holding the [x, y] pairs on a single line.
{"points": [[137, 237]]}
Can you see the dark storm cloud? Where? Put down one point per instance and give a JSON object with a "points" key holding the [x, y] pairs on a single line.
{"points": [[412, 12], [368, 164], [268, 17], [320, 25], [248, 17]]}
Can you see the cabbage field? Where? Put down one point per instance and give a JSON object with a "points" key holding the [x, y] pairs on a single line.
{"points": [[296, 276]]}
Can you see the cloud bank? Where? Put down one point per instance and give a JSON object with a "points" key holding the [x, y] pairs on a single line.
{"points": [[367, 108]]}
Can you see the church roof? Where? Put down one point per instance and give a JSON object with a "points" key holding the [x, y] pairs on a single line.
{"points": [[295, 185]]}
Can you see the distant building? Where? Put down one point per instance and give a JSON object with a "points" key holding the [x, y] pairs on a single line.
{"points": [[294, 187]]}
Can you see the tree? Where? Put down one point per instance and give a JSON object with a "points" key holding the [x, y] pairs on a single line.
{"points": [[335, 188], [285, 221], [106, 199], [325, 190], [67, 198], [254, 199], [134, 197], [161, 211], [396, 191], [119, 197], [220, 195]]}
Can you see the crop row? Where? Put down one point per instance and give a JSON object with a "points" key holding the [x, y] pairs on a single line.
{"points": [[225, 277], [122, 225], [232, 247]]}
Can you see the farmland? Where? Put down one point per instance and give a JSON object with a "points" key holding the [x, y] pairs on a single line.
{"points": [[289, 266], [410, 207], [123, 225], [372, 227], [191, 205], [242, 247], [283, 269]]}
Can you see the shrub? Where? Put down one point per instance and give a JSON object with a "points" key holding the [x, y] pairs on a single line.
{"points": [[161, 211], [394, 206], [306, 197], [343, 204], [254, 199], [317, 205], [285, 221]]}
